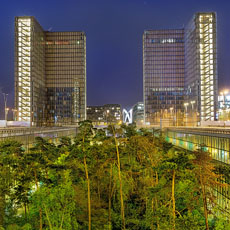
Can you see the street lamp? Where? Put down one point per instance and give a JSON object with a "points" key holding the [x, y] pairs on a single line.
{"points": [[14, 114], [6, 113], [5, 102], [192, 103], [193, 115], [171, 114], [186, 105], [107, 116]]}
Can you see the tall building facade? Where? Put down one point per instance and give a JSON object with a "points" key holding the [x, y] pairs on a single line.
{"points": [[50, 74], [180, 72], [201, 78], [163, 71]]}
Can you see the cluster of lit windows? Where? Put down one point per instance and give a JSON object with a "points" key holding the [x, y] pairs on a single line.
{"points": [[163, 70], [200, 56], [108, 112], [23, 52], [217, 146], [168, 89], [167, 40], [65, 70], [206, 67], [56, 74]]}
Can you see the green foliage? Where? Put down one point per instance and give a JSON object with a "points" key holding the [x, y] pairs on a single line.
{"points": [[191, 221], [57, 204], [49, 185]]}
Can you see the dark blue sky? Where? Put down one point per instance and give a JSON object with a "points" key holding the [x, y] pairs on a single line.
{"points": [[114, 31]]}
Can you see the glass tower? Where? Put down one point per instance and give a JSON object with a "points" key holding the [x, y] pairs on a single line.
{"points": [[201, 66], [180, 73], [50, 74], [29, 70], [163, 74], [65, 77]]}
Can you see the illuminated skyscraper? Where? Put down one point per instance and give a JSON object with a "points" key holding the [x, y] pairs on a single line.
{"points": [[50, 74], [201, 79], [180, 72], [163, 71]]}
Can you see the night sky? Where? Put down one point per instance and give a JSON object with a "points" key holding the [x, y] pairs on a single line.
{"points": [[114, 31]]}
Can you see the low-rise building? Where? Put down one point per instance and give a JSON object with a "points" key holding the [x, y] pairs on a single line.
{"points": [[109, 113], [138, 113]]}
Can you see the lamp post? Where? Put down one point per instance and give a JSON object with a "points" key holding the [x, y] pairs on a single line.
{"points": [[6, 113], [192, 103], [14, 114], [171, 114], [5, 102], [186, 105], [107, 116]]}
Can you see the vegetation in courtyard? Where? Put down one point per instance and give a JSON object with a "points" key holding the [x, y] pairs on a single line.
{"points": [[118, 178]]}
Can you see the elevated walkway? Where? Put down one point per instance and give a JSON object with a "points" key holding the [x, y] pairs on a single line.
{"points": [[27, 135]]}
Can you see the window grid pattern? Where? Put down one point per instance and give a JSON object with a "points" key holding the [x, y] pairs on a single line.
{"points": [[65, 77], [206, 67], [50, 74], [23, 50], [29, 70], [163, 73], [217, 144], [201, 66]]}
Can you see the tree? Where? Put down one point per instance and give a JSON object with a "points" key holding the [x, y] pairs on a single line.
{"points": [[57, 204], [11, 154], [82, 143], [206, 179]]}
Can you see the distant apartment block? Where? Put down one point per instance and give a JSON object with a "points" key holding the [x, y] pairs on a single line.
{"points": [[138, 113], [109, 113], [50, 74], [180, 72]]}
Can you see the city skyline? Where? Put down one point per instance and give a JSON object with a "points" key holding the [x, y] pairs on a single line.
{"points": [[114, 49]]}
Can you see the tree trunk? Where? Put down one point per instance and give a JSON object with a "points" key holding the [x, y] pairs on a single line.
{"points": [[99, 193], [156, 203], [40, 218], [88, 190], [2, 209], [88, 184], [110, 196], [204, 202], [40, 210], [173, 199], [47, 216], [25, 211], [120, 181]]}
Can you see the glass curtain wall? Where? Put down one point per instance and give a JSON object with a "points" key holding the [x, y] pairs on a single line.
{"points": [[201, 66], [50, 75], [65, 77], [163, 75], [29, 70]]}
